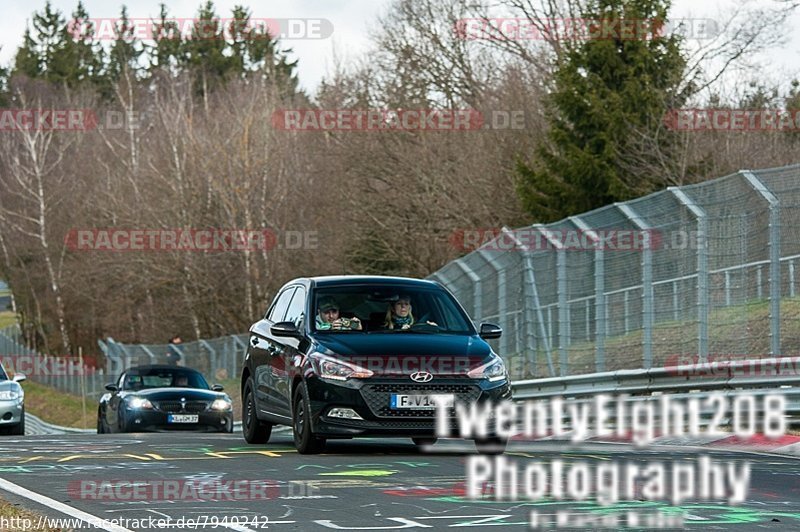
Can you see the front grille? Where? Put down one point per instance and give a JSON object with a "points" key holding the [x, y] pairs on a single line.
{"points": [[378, 397], [175, 407]]}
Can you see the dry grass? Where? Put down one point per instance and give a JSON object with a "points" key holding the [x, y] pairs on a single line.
{"points": [[736, 330], [14, 511], [60, 408]]}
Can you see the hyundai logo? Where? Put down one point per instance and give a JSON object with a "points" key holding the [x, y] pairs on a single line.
{"points": [[421, 376]]}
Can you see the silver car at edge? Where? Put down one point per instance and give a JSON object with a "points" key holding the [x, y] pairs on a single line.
{"points": [[12, 404]]}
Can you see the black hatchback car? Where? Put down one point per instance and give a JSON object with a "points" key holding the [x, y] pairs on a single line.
{"points": [[347, 356]]}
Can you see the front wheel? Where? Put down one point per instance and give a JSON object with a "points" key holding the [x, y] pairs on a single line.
{"points": [[305, 441], [101, 424], [19, 428], [253, 429]]}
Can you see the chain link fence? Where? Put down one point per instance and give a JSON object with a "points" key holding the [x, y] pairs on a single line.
{"points": [[682, 275], [219, 359], [686, 274], [68, 374]]}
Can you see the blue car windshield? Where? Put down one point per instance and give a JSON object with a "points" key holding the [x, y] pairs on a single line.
{"points": [[163, 378], [371, 308]]}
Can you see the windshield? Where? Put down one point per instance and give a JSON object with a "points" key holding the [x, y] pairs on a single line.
{"points": [[163, 378], [395, 309]]}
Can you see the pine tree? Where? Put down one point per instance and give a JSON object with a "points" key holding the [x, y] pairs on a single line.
{"points": [[605, 91], [126, 51], [204, 52], [166, 53]]}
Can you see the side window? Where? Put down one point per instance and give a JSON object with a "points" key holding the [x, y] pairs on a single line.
{"points": [[281, 304], [297, 307]]}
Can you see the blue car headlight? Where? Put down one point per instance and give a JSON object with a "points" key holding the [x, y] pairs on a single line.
{"points": [[139, 403], [221, 405], [9, 395], [493, 371]]}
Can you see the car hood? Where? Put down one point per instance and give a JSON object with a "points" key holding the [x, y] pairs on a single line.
{"points": [[465, 352], [161, 394]]}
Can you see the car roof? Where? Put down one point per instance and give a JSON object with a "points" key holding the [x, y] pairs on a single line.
{"points": [[159, 367], [334, 280]]}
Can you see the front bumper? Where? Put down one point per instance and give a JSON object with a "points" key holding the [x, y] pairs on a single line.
{"points": [[154, 421], [11, 412], [371, 399]]}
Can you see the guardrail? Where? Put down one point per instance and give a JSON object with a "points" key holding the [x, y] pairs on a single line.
{"points": [[749, 374], [756, 378]]}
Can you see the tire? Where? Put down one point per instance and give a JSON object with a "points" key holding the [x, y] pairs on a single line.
{"points": [[492, 445], [305, 441], [19, 428], [419, 442], [253, 430], [122, 423], [101, 425]]}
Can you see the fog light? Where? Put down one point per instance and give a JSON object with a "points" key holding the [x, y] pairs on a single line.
{"points": [[344, 413]]}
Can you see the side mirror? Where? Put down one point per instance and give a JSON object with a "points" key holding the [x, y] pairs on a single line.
{"points": [[285, 328], [490, 331], [111, 387], [217, 388], [19, 377]]}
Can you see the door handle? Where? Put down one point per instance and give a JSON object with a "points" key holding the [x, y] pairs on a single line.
{"points": [[272, 350]]}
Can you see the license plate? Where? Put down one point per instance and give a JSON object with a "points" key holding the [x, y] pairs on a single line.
{"points": [[419, 402], [183, 418]]}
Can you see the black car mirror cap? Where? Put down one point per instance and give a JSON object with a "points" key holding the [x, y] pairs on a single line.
{"points": [[285, 328], [111, 387], [489, 331], [217, 388]]}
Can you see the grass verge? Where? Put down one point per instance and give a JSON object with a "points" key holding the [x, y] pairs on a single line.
{"points": [[18, 516]]}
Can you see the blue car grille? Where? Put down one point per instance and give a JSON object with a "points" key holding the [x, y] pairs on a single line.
{"points": [[176, 407], [379, 396]]}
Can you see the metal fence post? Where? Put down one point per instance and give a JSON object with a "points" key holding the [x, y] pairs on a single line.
{"points": [[529, 283], [563, 311], [647, 283], [477, 304], [774, 259], [501, 298], [703, 296], [599, 296], [238, 341], [212, 367]]}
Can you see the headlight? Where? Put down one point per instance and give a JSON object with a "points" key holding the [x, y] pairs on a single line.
{"points": [[221, 404], [139, 403], [494, 371], [9, 396], [337, 370]]}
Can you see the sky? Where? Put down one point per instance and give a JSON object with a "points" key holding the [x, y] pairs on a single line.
{"points": [[351, 20]]}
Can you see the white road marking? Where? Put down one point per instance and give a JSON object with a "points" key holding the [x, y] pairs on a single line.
{"points": [[94, 521]]}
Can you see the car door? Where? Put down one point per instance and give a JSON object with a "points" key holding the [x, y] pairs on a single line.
{"points": [[260, 348], [286, 350]]}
